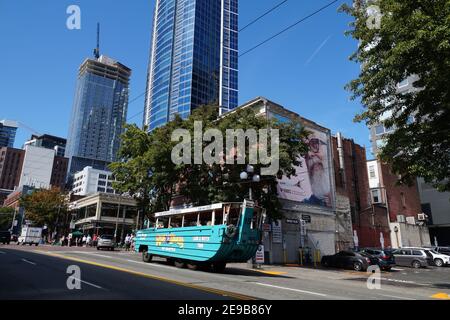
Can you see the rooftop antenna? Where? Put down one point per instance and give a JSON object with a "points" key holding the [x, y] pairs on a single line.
{"points": [[97, 50]]}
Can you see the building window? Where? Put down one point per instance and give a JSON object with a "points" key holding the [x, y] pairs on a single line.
{"points": [[376, 196], [372, 174]]}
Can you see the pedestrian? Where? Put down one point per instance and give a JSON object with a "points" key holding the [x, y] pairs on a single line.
{"points": [[83, 241], [69, 240], [95, 240], [133, 240], [127, 242], [88, 241], [62, 240]]}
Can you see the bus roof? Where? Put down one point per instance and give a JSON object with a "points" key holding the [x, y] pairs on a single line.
{"points": [[175, 212]]}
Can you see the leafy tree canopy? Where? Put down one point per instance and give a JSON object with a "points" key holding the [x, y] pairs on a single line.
{"points": [[413, 39], [148, 172], [45, 207]]}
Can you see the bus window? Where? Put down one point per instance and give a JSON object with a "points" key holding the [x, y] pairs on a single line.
{"points": [[163, 223], [255, 218], [175, 222], [233, 216], [206, 219], [190, 220], [219, 217]]}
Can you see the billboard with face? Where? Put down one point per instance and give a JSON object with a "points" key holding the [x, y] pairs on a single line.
{"points": [[313, 183]]}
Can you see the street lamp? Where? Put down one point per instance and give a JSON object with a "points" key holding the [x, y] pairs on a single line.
{"points": [[249, 173]]}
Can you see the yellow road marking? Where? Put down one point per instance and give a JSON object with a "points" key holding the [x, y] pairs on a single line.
{"points": [[273, 273], [184, 284], [442, 296]]}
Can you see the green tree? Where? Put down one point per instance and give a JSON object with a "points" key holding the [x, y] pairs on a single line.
{"points": [[413, 38], [46, 207], [6, 216], [147, 172], [204, 184]]}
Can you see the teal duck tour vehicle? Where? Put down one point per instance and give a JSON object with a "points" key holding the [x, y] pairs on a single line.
{"points": [[208, 236]]}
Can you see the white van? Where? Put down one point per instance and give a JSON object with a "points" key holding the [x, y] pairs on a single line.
{"points": [[30, 236]]}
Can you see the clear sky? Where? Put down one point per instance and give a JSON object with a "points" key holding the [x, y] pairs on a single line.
{"points": [[304, 69]]}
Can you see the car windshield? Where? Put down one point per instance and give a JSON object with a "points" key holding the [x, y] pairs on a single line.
{"points": [[434, 251], [107, 237]]}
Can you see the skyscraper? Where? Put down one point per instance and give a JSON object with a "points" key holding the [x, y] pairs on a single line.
{"points": [[8, 131], [193, 58], [98, 114]]}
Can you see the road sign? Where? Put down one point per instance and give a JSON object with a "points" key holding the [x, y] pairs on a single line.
{"points": [[277, 236], [306, 218], [292, 221], [260, 255], [267, 227]]}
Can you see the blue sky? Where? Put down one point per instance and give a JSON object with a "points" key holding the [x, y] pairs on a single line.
{"points": [[304, 69]]}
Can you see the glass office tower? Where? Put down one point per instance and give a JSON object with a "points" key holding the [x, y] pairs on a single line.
{"points": [[98, 114], [193, 58], [8, 131]]}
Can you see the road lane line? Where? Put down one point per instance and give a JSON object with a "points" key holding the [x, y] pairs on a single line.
{"points": [[89, 284], [25, 260], [224, 293], [441, 295], [396, 297], [290, 289]]}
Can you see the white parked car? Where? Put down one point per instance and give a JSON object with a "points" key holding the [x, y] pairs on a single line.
{"points": [[439, 259]]}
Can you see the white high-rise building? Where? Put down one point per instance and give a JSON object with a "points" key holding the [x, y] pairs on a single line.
{"points": [[90, 181]]}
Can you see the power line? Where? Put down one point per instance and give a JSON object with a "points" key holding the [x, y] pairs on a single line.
{"points": [[263, 15], [289, 27]]}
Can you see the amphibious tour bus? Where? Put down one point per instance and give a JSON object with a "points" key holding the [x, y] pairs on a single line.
{"points": [[208, 236]]}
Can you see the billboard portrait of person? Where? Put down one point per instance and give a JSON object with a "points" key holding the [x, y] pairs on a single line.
{"points": [[318, 170]]}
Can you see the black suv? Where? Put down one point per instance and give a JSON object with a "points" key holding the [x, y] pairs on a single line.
{"points": [[385, 258], [5, 237]]}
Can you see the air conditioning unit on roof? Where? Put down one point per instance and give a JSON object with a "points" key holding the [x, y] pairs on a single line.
{"points": [[422, 217]]}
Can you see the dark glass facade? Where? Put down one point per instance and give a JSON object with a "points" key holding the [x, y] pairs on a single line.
{"points": [[8, 131], [98, 114], [193, 59]]}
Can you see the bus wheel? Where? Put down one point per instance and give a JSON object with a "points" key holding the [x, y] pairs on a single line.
{"points": [[192, 266], [170, 262], [219, 267], [146, 257], [179, 264]]}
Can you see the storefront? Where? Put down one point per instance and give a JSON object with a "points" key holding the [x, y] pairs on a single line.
{"points": [[104, 213]]}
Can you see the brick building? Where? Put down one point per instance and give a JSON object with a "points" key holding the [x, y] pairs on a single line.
{"points": [[59, 172], [11, 161], [367, 220], [402, 203]]}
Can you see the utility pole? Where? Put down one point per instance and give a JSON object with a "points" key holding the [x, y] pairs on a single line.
{"points": [[117, 220], [13, 220]]}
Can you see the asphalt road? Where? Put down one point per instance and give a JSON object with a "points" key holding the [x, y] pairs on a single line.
{"points": [[28, 275], [25, 273]]}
